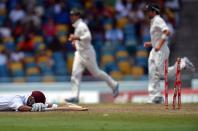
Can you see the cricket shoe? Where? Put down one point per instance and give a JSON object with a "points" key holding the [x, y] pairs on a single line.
{"points": [[116, 90], [188, 64], [158, 100], [72, 100]]}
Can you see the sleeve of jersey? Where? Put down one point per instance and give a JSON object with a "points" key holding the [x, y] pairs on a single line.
{"points": [[85, 34], [162, 25], [16, 103]]}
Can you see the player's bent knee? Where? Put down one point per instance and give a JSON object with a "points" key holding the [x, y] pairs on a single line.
{"points": [[74, 78]]}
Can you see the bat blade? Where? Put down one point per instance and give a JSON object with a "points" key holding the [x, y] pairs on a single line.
{"points": [[67, 108]]}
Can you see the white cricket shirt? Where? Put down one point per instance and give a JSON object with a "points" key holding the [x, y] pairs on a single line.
{"points": [[12, 103], [82, 31], [158, 25]]}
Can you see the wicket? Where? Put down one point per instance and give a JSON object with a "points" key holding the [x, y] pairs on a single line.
{"points": [[177, 85], [166, 83]]}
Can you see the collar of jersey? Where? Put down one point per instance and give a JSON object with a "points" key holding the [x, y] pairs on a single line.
{"points": [[77, 22], [154, 18]]}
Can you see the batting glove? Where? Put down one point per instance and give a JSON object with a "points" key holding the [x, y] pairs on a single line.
{"points": [[38, 107], [54, 106]]}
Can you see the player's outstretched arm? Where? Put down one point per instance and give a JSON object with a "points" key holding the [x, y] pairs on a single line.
{"points": [[24, 108], [34, 108]]}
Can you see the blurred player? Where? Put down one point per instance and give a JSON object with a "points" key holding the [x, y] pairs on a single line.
{"points": [[160, 52], [33, 102], [85, 57]]}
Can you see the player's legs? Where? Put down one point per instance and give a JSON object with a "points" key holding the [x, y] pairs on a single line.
{"points": [[187, 64], [154, 81], [156, 71], [92, 66], [172, 70], [76, 77], [184, 64]]}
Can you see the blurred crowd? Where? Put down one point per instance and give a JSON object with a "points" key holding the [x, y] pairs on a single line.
{"points": [[34, 33]]}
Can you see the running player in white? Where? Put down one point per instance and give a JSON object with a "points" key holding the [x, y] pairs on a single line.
{"points": [[160, 52], [85, 57]]}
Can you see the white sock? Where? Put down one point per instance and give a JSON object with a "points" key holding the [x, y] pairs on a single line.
{"points": [[182, 63]]}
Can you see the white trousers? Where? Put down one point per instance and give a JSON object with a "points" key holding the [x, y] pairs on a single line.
{"points": [[156, 63], [87, 59]]}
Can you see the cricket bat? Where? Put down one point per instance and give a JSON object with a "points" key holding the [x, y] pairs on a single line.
{"points": [[68, 107]]}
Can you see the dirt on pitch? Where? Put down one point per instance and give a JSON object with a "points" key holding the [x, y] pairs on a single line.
{"points": [[142, 108]]}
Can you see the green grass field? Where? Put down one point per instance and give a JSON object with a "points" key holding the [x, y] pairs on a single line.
{"points": [[105, 117]]}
